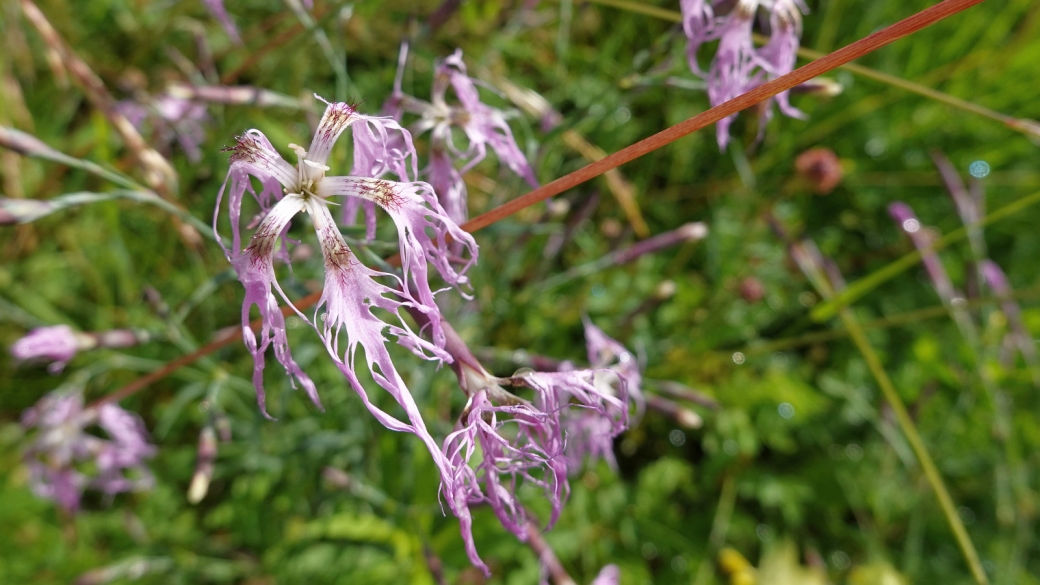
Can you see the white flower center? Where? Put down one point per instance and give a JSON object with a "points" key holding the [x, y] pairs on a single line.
{"points": [[310, 173]]}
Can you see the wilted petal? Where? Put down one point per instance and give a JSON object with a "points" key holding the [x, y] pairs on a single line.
{"points": [[520, 444]]}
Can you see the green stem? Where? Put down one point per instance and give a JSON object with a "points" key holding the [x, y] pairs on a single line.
{"points": [[931, 472]]}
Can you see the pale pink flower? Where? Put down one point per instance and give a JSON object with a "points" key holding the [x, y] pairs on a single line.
{"points": [[57, 344], [482, 125], [64, 459], [738, 65], [522, 442], [350, 289]]}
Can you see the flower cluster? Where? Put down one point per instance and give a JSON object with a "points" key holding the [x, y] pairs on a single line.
{"points": [[63, 450], [482, 125], [502, 442], [351, 292], [739, 66]]}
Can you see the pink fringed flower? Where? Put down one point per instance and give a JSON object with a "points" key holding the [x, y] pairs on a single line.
{"points": [[738, 66], [351, 291], [590, 432], [172, 119], [521, 442], [482, 125], [63, 450]]}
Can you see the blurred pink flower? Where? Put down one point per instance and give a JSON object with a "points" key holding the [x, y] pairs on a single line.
{"points": [[62, 453], [351, 291], [482, 125], [738, 66], [57, 344]]}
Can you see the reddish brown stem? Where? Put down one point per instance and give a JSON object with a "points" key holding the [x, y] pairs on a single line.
{"points": [[761, 93]]}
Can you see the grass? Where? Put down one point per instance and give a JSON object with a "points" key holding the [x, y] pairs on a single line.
{"points": [[809, 445]]}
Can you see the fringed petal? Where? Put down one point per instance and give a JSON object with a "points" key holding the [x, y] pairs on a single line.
{"points": [[256, 273]]}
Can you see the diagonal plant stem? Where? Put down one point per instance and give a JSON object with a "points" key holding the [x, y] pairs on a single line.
{"points": [[1025, 126], [866, 45], [815, 271], [763, 92], [906, 424]]}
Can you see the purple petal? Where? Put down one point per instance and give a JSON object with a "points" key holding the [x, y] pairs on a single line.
{"points": [[382, 146], [62, 450], [780, 52], [532, 454], [698, 21], [483, 124], [58, 344], [252, 156], [255, 271], [447, 182], [732, 70], [337, 117], [906, 219], [423, 229]]}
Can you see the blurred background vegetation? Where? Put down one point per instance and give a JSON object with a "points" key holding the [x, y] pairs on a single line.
{"points": [[801, 470]]}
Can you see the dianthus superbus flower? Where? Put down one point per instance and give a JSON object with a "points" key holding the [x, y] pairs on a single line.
{"points": [[352, 290], [502, 441], [483, 126], [739, 66]]}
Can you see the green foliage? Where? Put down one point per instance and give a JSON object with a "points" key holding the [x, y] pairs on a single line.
{"points": [[802, 466]]}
